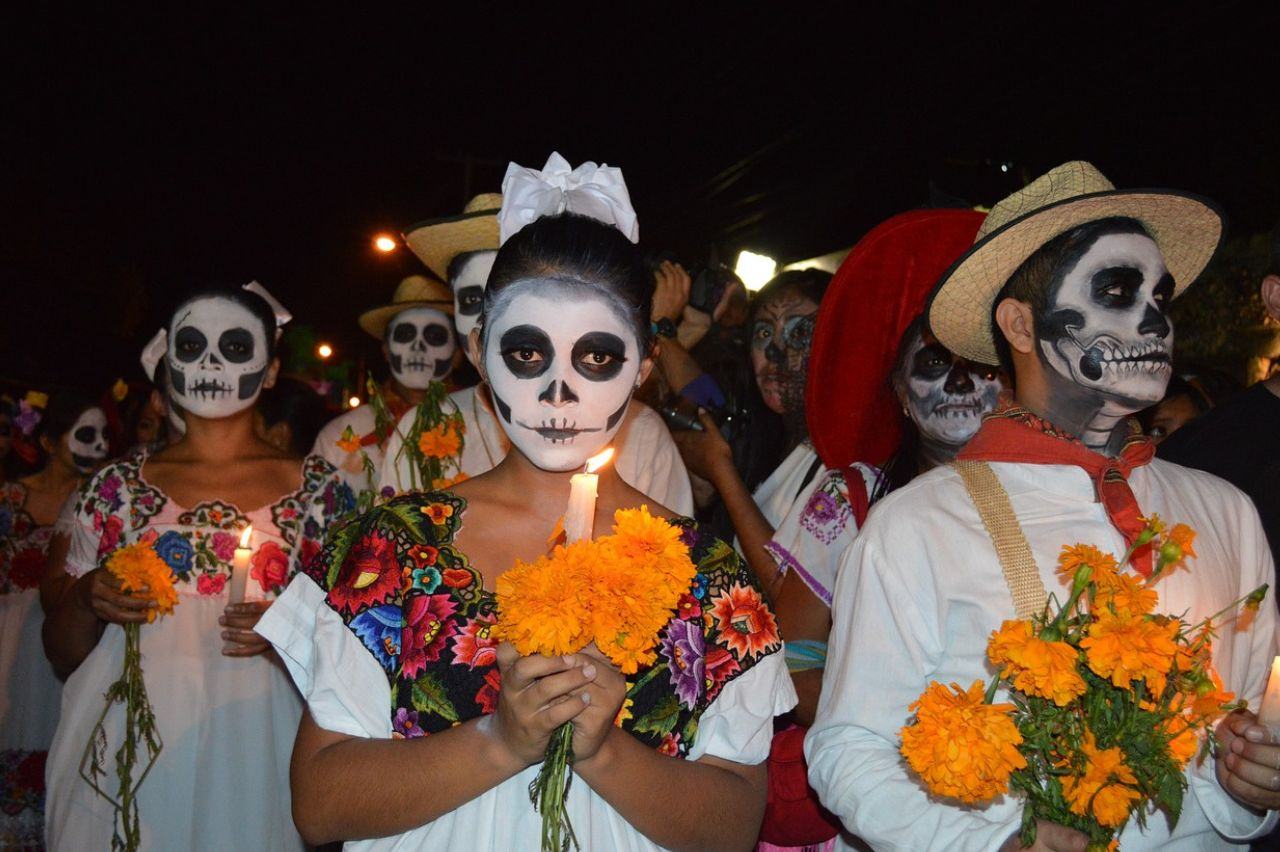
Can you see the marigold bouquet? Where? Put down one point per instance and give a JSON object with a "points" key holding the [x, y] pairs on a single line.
{"points": [[617, 591], [144, 574], [1107, 701]]}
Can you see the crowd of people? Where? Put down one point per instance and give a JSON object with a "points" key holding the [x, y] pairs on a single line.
{"points": [[825, 449]]}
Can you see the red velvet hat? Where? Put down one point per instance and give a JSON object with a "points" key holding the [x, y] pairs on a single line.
{"points": [[882, 285]]}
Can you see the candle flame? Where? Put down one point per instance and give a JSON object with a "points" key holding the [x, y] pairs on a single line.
{"points": [[244, 536], [598, 461]]}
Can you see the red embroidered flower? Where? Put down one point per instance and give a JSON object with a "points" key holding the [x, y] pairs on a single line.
{"points": [[211, 584], [670, 745], [457, 578], [745, 623], [111, 529], [423, 555], [473, 646], [487, 697], [270, 566], [369, 574], [26, 568], [428, 624], [307, 552], [718, 666], [689, 607]]}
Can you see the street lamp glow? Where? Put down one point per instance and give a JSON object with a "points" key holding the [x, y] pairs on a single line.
{"points": [[324, 350], [354, 402], [384, 243], [755, 270]]}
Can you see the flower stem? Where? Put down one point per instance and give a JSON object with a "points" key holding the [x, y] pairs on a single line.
{"points": [[549, 790]]}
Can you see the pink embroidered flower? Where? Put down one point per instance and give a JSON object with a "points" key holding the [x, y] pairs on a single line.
{"points": [[428, 623], [487, 697], [269, 566], [670, 745], [211, 584], [224, 546], [473, 646], [111, 529]]}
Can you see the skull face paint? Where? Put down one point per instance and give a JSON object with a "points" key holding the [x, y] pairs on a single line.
{"points": [[420, 346], [1105, 326], [562, 363], [780, 339], [217, 357], [946, 396], [468, 285], [87, 439]]}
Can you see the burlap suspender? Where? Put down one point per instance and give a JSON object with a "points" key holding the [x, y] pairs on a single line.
{"points": [[1002, 525]]}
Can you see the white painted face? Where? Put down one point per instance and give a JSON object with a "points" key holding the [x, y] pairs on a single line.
{"points": [[420, 346], [562, 363], [468, 286], [946, 396], [217, 357], [1105, 327], [87, 439]]}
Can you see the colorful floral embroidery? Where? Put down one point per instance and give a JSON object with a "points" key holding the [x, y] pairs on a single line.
{"points": [[23, 542], [827, 512], [412, 599]]}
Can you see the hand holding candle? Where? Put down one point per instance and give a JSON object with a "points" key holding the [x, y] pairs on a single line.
{"points": [[580, 516]]}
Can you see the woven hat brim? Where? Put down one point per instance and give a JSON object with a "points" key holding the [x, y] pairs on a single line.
{"points": [[374, 321], [1187, 228], [438, 241]]}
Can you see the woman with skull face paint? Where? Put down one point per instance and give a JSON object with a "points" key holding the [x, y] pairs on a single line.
{"points": [[564, 342], [72, 436], [225, 710]]}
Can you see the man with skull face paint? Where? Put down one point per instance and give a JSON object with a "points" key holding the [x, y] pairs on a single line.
{"points": [[462, 249], [419, 345], [564, 343], [224, 709], [1071, 279]]}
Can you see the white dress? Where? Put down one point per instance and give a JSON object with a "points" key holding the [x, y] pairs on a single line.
{"points": [[919, 594], [221, 781]]}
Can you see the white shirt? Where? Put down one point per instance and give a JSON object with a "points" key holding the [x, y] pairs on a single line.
{"points": [[647, 458], [350, 465], [920, 592]]}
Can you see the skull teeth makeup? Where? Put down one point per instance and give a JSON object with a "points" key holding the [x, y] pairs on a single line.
{"points": [[1105, 328], [217, 357], [87, 439], [562, 362], [420, 346]]}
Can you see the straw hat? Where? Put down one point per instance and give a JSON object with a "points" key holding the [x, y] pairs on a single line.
{"points": [[878, 290], [416, 291], [437, 242], [1186, 227]]}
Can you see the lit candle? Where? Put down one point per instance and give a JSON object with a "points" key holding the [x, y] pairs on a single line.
{"points": [[240, 568], [1269, 709], [580, 517]]}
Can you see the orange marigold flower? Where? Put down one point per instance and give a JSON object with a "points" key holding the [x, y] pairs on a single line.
{"points": [[438, 512], [747, 626], [1036, 667], [140, 568], [1074, 557], [961, 746], [440, 442], [1209, 696], [1125, 592], [540, 609], [1101, 790], [1183, 741], [640, 535], [1123, 646], [347, 441]]}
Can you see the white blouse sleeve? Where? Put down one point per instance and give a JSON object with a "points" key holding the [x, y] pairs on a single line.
{"points": [[738, 725]]}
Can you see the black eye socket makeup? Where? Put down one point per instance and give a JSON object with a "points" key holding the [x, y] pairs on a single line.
{"points": [[518, 342], [586, 354]]}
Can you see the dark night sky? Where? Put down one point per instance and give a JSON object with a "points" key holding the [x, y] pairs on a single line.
{"points": [[150, 152]]}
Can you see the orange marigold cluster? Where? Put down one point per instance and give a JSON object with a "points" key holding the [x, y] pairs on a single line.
{"points": [[143, 574], [1123, 646], [617, 591], [441, 441], [961, 746], [1076, 556], [1036, 666], [1102, 790]]}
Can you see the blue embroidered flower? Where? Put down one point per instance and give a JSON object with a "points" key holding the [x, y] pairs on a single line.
{"points": [[699, 587], [379, 628], [176, 552]]}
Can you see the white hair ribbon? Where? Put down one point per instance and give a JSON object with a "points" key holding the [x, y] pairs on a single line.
{"points": [[281, 312], [153, 352], [589, 190]]}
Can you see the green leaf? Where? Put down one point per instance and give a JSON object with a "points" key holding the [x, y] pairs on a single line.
{"points": [[661, 720], [429, 696]]}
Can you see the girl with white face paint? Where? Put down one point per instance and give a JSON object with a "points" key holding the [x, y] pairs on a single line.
{"points": [[206, 672], [563, 343]]}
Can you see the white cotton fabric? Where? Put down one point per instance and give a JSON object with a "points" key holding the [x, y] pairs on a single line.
{"points": [[778, 493], [350, 465], [347, 691], [920, 592], [646, 458], [589, 190]]}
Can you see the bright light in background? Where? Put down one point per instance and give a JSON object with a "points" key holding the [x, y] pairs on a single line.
{"points": [[354, 402], [324, 350], [385, 243], [755, 270]]}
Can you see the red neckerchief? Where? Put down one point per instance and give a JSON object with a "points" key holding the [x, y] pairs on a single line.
{"points": [[1013, 434], [396, 407]]}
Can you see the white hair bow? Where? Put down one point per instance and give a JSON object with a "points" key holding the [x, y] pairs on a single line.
{"points": [[589, 190], [281, 312]]}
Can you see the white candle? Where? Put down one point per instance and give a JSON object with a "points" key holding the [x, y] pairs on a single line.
{"points": [[580, 516], [240, 568], [1269, 709]]}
